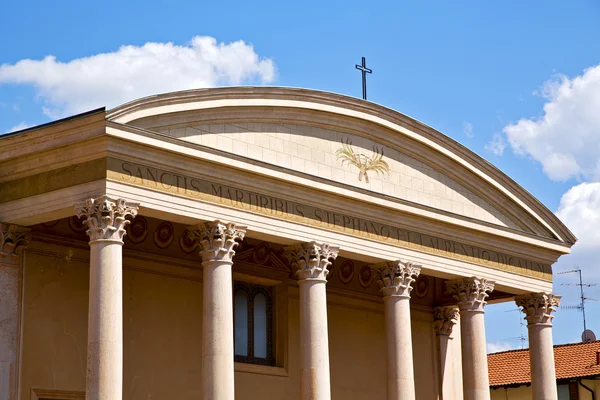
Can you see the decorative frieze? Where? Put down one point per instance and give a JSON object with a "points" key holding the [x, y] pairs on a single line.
{"points": [[323, 218], [395, 277], [470, 293], [365, 276], [346, 271], [13, 240], [538, 307], [164, 234], [311, 260], [217, 239], [444, 319], [106, 217]]}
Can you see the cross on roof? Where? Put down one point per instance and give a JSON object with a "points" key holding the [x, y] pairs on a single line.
{"points": [[363, 68]]}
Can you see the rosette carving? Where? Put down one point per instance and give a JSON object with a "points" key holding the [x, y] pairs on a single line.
{"points": [[538, 307], [311, 260], [13, 240], [444, 319], [217, 239], [470, 292], [396, 277], [106, 217]]}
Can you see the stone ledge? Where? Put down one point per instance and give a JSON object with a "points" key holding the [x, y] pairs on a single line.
{"points": [[260, 369]]}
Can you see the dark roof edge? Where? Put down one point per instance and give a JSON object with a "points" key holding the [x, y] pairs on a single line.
{"points": [[58, 121], [558, 380], [555, 346]]}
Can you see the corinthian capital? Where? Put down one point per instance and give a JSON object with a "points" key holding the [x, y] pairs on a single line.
{"points": [[217, 239], [396, 277], [444, 319], [470, 293], [538, 307], [106, 217], [13, 240], [311, 260]]}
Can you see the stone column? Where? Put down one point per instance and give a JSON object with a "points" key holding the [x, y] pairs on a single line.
{"points": [[538, 308], [444, 319], [106, 223], [13, 240], [395, 279], [471, 294], [217, 240], [311, 260]]}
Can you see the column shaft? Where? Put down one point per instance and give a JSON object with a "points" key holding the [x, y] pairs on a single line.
{"points": [[541, 355], [400, 372], [471, 294], [394, 279], [105, 322], [444, 320], [314, 343], [105, 218], [311, 260], [446, 371], [13, 240], [538, 309], [217, 240], [476, 384], [217, 331]]}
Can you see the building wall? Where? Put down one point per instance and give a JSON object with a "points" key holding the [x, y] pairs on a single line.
{"points": [[516, 393], [163, 335], [524, 392], [592, 384]]}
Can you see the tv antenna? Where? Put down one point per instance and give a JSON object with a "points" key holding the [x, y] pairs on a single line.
{"points": [[521, 338], [586, 333]]}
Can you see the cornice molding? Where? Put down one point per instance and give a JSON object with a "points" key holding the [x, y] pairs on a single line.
{"points": [[338, 104], [429, 219]]}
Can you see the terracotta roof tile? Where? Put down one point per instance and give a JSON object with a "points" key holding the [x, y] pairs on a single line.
{"points": [[571, 361]]}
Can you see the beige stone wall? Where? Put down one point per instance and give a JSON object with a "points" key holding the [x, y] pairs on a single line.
{"points": [[312, 150], [162, 338], [518, 393], [592, 384], [524, 392]]}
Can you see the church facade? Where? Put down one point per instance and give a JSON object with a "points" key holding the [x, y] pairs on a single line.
{"points": [[255, 243]]}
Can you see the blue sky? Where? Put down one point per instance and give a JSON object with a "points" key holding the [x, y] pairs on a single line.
{"points": [[452, 65]]}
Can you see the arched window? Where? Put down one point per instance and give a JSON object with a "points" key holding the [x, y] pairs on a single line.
{"points": [[253, 324]]}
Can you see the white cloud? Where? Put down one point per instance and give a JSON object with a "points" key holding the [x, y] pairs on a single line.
{"points": [[498, 346], [566, 138], [110, 79], [468, 129], [18, 127], [579, 209], [496, 145]]}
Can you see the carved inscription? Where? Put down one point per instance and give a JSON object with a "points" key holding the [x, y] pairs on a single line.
{"points": [[154, 178]]}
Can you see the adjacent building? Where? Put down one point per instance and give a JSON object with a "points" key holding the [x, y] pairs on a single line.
{"points": [[577, 372]]}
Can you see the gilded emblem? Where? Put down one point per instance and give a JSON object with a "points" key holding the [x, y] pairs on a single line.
{"points": [[363, 162]]}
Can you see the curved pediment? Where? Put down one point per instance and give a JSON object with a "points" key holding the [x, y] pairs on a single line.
{"points": [[348, 142]]}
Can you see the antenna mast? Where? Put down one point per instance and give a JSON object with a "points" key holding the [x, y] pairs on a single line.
{"points": [[583, 298]]}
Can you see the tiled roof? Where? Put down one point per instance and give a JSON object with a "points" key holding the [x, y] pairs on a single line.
{"points": [[571, 360]]}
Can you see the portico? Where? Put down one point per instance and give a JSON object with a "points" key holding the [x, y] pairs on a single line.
{"points": [[270, 234]]}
